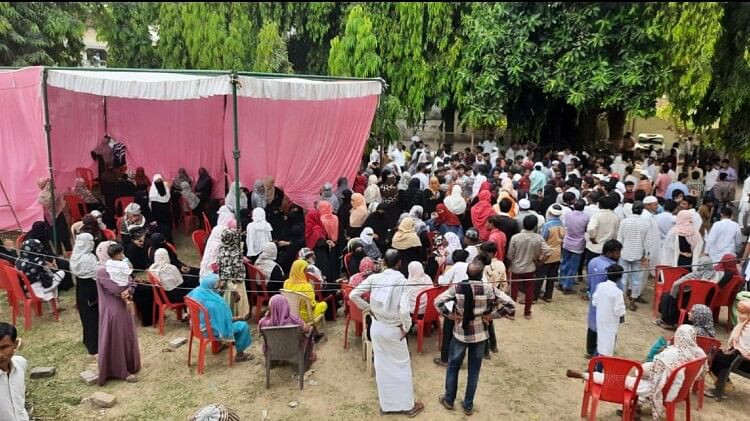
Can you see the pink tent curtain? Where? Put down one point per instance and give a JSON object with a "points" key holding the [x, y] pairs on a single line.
{"points": [[23, 149], [302, 144], [164, 136]]}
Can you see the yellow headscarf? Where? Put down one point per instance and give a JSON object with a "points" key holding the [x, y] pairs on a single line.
{"points": [[297, 273]]}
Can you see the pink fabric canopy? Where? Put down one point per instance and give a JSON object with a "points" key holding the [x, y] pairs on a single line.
{"points": [[303, 133]]}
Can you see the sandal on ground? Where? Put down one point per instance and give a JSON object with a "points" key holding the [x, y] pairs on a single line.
{"points": [[131, 379], [418, 407], [440, 362], [445, 404]]}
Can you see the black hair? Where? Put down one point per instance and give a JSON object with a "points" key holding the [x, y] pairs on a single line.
{"points": [[505, 205], [696, 175], [692, 200], [639, 195], [579, 205], [727, 211], [610, 246], [7, 329], [637, 208], [682, 175], [670, 205], [567, 197], [489, 247], [115, 249], [677, 193], [530, 222], [614, 272], [460, 255], [723, 176]]}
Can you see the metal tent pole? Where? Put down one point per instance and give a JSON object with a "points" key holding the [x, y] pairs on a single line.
{"points": [[47, 130], [236, 152]]}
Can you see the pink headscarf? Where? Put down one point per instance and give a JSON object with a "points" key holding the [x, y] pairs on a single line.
{"points": [[684, 227], [279, 315], [329, 220], [481, 212], [740, 337]]}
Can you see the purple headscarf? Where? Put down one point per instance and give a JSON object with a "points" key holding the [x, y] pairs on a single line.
{"points": [[279, 315]]}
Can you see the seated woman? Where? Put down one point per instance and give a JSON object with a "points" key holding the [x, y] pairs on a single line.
{"points": [[445, 221], [655, 374], [159, 201], [191, 199], [170, 277], [298, 282], [42, 231], [158, 240], [89, 224], [279, 314], [702, 319], [366, 268], [738, 344], [43, 275], [203, 189], [143, 296], [225, 327], [704, 270], [131, 220], [367, 237], [266, 263], [82, 192], [408, 244], [232, 271], [418, 281], [356, 253]]}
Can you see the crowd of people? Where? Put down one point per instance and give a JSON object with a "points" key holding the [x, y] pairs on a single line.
{"points": [[485, 225]]}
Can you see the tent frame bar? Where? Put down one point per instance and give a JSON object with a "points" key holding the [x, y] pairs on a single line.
{"points": [[47, 135]]}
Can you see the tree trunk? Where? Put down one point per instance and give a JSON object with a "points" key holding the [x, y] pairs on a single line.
{"points": [[586, 128], [448, 114], [616, 124]]}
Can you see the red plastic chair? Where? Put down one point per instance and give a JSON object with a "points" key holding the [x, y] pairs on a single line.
{"points": [[121, 203], [109, 235], [206, 224], [707, 345], [189, 219], [353, 314], [5, 286], [669, 275], [725, 298], [438, 272], [613, 388], [258, 289], [118, 226], [30, 301], [692, 369], [19, 240], [87, 175], [699, 292], [430, 317], [77, 207], [347, 259], [199, 241], [318, 286], [162, 303], [196, 311]]}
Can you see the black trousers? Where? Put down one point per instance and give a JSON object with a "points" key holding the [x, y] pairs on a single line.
{"points": [[550, 271], [447, 338], [492, 342], [590, 342]]}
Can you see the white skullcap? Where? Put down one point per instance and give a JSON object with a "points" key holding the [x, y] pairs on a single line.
{"points": [[524, 204]]}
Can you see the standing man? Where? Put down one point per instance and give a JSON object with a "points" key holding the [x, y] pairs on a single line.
{"points": [[597, 273], [610, 310], [553, 233], [524, 251], [574, 244], [475, 304], [723, 191], [635, 236], [390, 307], [602, 226], [12, 376], [724, 237]]}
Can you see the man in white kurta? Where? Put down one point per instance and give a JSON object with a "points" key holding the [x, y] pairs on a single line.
{"points": [[390, 308], [610, 307]]}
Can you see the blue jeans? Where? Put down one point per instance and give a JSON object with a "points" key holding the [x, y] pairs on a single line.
{"points": [[569, 268], [456, 358]]}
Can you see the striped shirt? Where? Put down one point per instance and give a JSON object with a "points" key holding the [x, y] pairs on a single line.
{"points": [[635, 236]]}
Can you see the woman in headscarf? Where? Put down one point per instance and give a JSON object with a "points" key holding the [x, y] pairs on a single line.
{"points": [[683, 244], [203, 189], [389, 194], [225, 327], [506, 194], [738, 344], [343, 216], [408, 244], [266, 264], [446, 221], [213, 243], [403, 185], [170, 277], [372, 192], [432, 197], [182, 177], [296, 240], [43, 232], [453, 243], [119, 356], [44, 276], [357, 216], [81, 191], [132, 220], [58, 219], [232, 271], [366, 268], [379, 225], [418, 281], [274, 205], [703, 270], [298, 282], [158, 198], [702, 319], [326, 194], [655, 374], [137, 249], [141, 180], [279, 314], [258, 195], [258, 233], [342, 185], [83, 264], [481, 213], [455, 203], [367, 237], [412, 196], [317, 236], [89, 224], [191, 200], [230, 201]]}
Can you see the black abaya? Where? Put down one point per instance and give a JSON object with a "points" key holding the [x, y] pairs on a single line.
{"points": [[88, 310]]}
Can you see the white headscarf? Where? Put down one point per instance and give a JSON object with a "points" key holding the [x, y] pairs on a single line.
{"points": [[266, 261], [258, 232], [455, 202], [403, 183], [101, 251], [187, 193], [168, 274], [478, 181], [83, 262], [153, 193], [366, 236], [454, 243], [372, 193], [418, 281], [231, 199], [213, 244]]}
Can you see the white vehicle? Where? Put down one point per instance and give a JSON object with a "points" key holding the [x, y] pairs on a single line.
{"points": [[646, 140]]}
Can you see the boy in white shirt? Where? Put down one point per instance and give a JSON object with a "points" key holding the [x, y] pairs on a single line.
{"points": [[12, 376]]}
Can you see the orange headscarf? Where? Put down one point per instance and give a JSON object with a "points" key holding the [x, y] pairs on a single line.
{"points": [[329, 220]]}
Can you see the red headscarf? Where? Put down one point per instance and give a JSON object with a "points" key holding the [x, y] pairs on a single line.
{"points": [[481, 212], [360, 184], [728, 263], [329, 220], [314, 229], [444, 216]]}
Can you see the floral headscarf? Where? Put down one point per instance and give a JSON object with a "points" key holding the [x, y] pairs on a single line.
{"points": [[231, 266]]}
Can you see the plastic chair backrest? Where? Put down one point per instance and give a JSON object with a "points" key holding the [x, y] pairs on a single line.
{"points": [[707, 344], [347, 259], [430, 312], [692, 369], [317, 284], [282, 342], [196, 312], [296, 299], [699, 291], [669, 275], [438, 272], [27, 286], [14, 288], [254, 275], [160, 294], [355, 314], [87, 175], [74, 204], [615, 372], [121, 203], [19, 240], [726, 294], [206, 224], [4, 278], [109, 235], [199, 241]]}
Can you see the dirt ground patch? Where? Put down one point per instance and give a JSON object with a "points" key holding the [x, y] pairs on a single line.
{"points": [[524, 381]]}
